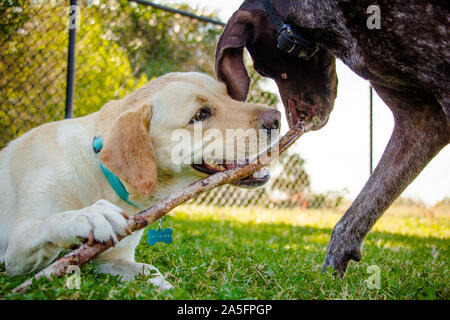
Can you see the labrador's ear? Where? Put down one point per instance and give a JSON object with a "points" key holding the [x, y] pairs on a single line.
{"points": [[230, 67], [128, 151]]}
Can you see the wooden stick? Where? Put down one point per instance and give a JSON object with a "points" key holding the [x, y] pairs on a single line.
{"points": [[86, 252]]}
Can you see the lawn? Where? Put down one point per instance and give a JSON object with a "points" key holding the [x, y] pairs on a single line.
{"points": [[224, 253]]}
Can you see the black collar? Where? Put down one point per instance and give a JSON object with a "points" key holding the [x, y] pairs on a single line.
{"points": [[289, 38]]}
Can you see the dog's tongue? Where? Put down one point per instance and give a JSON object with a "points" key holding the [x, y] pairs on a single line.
{"points": [[292, 106], [235, 164]]}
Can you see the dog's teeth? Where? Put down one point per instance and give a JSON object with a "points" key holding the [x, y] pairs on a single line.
{"points": [[217, 165], [262, 173], [210, 162], [213, 164]]}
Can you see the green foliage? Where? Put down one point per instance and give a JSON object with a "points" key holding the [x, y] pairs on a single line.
{"points": [[120, 46], [224, 253], [158, 42], [12, 16], [103, 71], [34, 59], [30, 86]]}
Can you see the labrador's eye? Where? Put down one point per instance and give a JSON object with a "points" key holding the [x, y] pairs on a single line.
{"points": [[202, 114]]}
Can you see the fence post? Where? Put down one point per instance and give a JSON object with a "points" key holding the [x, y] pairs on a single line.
{"points": [[70, 85]]}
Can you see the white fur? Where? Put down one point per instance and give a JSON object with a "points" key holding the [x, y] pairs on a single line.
{"points": [[53, 192]]}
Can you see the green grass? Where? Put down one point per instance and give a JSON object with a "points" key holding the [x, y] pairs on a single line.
{"points": [[221, 253]]}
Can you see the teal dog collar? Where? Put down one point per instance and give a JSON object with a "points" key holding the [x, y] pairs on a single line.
{"points": [[113, 180]]}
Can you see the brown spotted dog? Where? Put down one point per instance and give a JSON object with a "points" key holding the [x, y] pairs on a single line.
{"points": [[406, 60]]}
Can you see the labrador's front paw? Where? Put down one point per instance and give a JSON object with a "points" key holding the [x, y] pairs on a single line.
{"points": [[156, 278], [129, 270], [100, 222]]}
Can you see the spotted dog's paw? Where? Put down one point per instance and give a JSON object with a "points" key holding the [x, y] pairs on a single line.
{"points": [[342, 248]]}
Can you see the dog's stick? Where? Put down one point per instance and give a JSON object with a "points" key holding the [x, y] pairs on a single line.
{"points": [[86, 253]]}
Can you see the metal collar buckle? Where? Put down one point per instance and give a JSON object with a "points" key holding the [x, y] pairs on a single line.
{"points": [[295, 44]]}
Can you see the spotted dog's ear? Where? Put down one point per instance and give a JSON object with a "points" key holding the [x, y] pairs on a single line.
{"points": [[230, 67], [128, 151]]}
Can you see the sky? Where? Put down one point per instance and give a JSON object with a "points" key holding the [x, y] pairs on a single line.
{"points": [[337, 156]]}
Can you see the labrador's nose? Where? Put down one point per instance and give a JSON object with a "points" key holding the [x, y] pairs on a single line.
{"points": [[270, 119]]}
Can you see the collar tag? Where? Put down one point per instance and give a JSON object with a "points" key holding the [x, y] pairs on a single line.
{"points": [[160, 235]]}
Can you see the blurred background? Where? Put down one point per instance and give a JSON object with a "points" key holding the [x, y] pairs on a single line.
{"points": [[120, 45]]}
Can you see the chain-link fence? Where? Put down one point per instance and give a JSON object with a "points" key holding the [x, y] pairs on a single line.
{"points": [[120, 45], [33, 50]]}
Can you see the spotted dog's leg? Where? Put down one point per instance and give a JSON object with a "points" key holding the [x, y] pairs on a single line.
{"points": [[421, 131], [444, 100]]}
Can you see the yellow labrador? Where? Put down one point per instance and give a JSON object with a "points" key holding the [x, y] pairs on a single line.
{"points": [[72, 180]]}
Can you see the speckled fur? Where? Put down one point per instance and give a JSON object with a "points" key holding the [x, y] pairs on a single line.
{"points": [[408, 63]]}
